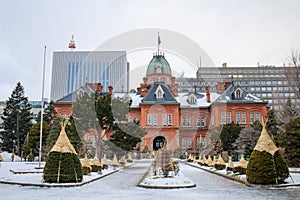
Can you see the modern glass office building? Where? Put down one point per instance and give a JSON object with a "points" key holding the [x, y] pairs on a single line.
{"points": [[266, 82], [72, 69]]}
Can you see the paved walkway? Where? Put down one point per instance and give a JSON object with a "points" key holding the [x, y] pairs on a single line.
{"points": [[121, 185]]}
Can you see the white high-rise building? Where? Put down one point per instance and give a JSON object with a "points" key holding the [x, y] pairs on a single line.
{"points": [[72, 69]]}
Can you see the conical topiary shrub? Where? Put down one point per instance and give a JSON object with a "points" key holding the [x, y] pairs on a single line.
{"points": [[115, 163], [122, 160], [190, 158], [96, 165], [220, 164], [129, 158], [63, 164], [86, 167], [266, 164], [230, 165], [104, 162], [241, 166], [209, 161]]}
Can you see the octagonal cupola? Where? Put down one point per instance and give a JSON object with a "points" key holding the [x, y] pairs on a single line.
{"points": [[159, 70]]}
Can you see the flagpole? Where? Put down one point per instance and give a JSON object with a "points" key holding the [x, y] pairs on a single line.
{"points": [[42, 111], [158, 41]]}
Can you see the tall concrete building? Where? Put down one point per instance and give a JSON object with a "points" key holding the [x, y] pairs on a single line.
{"points": [[73, 69], [266, 82]]}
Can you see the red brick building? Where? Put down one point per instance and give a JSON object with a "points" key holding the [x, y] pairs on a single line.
{"points": [[183, 121]]}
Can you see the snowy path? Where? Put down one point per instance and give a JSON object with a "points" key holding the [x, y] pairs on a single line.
{"points": [[121, 185]]}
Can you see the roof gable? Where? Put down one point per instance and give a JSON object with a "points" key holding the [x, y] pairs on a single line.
{"points": [[159, 93], [235, 93]]}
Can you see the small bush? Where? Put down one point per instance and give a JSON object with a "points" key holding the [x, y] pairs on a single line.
{"points": [[220, 166], [31, 157], [86, 170], [96, 168], [239, 170]]}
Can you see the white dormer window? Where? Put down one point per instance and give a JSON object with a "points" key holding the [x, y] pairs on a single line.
{"points": [[159, 92], [192, 99], [238, 93]]}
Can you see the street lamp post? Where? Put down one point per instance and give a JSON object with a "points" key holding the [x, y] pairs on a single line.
{"points": [[42, 111]]}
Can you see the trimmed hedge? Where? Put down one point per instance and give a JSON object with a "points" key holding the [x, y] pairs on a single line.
{"points": [[220, 166], [70, 168], [96, 168], [264, 169], [239, 170], [86, 170]]}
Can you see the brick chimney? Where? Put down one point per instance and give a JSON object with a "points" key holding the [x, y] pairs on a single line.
{"points": [[110, 90], [207, 94], [227, 84], [99, 88], [144, 91]]}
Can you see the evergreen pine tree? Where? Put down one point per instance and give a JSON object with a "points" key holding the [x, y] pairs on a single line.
{"points": [[230, 132], [74, 137], [273, 125], [266, 164], [49, 113], [16, 120], [53, 132], [290, 141], [32, 141]]}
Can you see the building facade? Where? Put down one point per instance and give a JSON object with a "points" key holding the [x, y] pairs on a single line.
{"points": [[184, 120], [266, 82], [73, 69]]}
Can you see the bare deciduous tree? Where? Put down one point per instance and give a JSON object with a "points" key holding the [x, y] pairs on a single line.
{"points": [[293, 71]]}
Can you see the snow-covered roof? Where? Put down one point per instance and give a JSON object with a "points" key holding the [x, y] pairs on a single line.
{"points": [[201, 101]]}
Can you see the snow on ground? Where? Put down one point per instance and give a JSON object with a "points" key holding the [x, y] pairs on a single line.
{"points": [[26, 173], [177, 181], [122, 185], [293, 179]]}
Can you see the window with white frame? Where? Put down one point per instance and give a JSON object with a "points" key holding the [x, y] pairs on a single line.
{"points": [[258, 116], [129, 119], [170, 120], [199, 142], [252, 117], [186, 142], [229, 119], [183, 122], [198, 122], [244, 119], [188, 121], [164, 119], [223, 118], [155, 119], [238, 118], [204, 142], [203, 121], [149, 119]]}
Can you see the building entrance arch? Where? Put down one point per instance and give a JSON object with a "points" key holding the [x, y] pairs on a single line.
{"points": [[159, 142]]}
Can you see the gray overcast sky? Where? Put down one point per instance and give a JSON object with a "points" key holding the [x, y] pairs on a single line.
{"points": [[240, 32]]}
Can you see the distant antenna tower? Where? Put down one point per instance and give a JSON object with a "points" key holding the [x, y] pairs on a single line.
{"points": [[72, 43]]}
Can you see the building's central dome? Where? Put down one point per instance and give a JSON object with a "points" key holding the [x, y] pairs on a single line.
{"points": [[159, 65]]}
